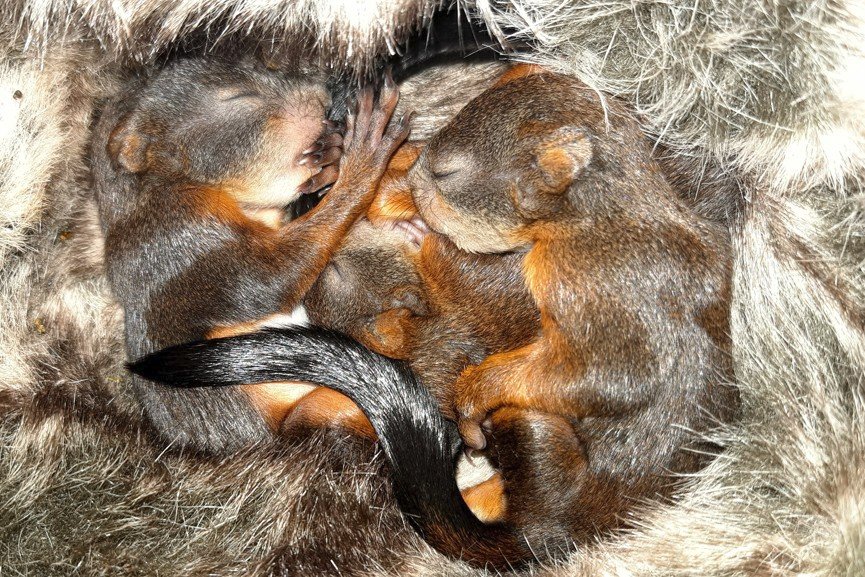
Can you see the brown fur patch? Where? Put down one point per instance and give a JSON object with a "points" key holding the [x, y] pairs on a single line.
{"points": [[326, 408], [393, 200], [518, 71], [275, 400], [391, 331]]}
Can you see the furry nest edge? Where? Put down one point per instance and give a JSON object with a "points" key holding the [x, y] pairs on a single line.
{"points": [[773, 91]]}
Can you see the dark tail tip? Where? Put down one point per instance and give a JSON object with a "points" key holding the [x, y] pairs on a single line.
{"points": [[178, 366], [147, 368]]}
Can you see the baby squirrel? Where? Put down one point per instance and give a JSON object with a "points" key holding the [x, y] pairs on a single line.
{"points": [[181, 163]]}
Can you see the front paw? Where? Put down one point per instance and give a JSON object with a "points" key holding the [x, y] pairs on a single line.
{"points": [[371, 139]]}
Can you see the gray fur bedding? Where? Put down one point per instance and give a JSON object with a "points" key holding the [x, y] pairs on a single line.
{"points": [[772, 92]]}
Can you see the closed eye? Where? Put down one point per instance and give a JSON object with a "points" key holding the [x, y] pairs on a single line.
{"points": [[242, 95], [231, 94], [446, 173]]}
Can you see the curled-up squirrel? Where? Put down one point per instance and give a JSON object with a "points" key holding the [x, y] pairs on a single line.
{"points": [[632, 285], [183, 164]]}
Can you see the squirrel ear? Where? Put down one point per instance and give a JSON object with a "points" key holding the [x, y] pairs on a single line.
{"points": [[127, 148], [562, 156], [558, 159]]}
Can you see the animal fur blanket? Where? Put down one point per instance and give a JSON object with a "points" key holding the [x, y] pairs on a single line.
{"points": [[773, 91]]}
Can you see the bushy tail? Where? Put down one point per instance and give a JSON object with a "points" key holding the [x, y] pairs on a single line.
{"points": [[420, 445]]}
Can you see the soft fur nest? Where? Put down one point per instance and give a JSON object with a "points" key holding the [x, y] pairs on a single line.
{"points": [[773, 91]]}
